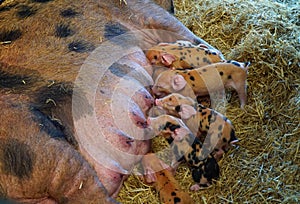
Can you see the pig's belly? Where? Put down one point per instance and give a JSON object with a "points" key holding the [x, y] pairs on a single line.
{"points": [[108, 128]]}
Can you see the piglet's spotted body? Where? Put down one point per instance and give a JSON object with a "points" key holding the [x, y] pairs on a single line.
{"points": [[169, 189], [185, 146], [201, 121], [182, 55], [202, 81]]}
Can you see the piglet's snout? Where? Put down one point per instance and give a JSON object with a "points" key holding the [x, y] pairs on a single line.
{"points": [[158, 102]]}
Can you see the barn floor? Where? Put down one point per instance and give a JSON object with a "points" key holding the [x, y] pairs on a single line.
{"points": [[264, 168]]}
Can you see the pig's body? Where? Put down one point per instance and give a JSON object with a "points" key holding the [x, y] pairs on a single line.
{"points": [[37, 165], [185, 146], [203, 81], [182, 55], [163, 179], [43, 45], [202, 121]]}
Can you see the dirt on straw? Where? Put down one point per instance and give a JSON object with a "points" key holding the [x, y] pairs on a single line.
{"points": [[264, 168]]}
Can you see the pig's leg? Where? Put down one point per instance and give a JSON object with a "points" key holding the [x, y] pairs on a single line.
{"points": [[239, 84]]}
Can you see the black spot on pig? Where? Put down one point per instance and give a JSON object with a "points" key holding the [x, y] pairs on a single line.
{"points": [[81, 46], [178, 108], [212, 117], [25, 11], [119, 70], [169, 140], [63, 31], [211, 169], [162, 173], [68, 13], [51, 127], [220, 127], [171, 126], [205, 60], [197, 174], [177, 200], [17, 158], [20, 81], [49, 98], [112, 30], [10, 35], [52, 95]]}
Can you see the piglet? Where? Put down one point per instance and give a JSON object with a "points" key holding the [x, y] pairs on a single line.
{"points": [[182, 55], [203, 81], [163, 179], [201, 121], [184, 146]]}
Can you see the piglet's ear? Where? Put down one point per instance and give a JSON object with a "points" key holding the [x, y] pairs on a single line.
{"points": [[167, 59], [179, 133], [187, 111], [178, 82]]}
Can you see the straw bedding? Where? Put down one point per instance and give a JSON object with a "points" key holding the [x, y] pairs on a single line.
{"points": [[264, 168]]}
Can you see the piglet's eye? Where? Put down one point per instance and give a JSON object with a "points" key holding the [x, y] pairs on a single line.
{"points": [[177, 108], [155, 57]]}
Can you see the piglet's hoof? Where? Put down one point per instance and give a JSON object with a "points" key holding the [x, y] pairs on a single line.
{"points": [[197, 187], [150, 176]]}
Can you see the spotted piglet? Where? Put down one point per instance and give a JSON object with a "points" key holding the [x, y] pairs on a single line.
{"points": [[182, 55], [201, 121], [163, 179], [186, 147], [203, 81]]}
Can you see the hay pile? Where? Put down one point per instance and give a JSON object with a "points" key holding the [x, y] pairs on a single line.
{"points": [[265, 166]]}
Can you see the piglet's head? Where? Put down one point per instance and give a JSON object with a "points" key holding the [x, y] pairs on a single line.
{"points": [[170, 127], [177, 105], [168, 82], [178, 132]]}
